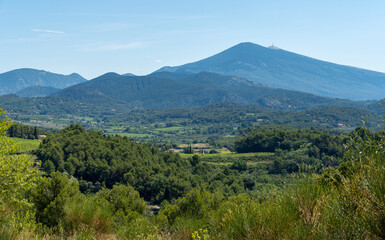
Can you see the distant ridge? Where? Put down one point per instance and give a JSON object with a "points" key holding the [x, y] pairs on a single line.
{"points": [[163, 90], [128, 74], [16, 80], [282, 69], [36, 91]]}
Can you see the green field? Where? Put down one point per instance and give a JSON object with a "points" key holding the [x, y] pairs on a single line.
{"points": [[228, 155], [134, 135], [165, 129], [35, 117], [26, 145], [228, 158]]}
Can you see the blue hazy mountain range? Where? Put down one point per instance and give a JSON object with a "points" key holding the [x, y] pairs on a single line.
{"points": [[283, 69], [19, 79], [164, 90], [37, 91]]}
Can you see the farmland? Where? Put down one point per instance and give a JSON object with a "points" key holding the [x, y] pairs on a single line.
{"points": [[26, 145]]}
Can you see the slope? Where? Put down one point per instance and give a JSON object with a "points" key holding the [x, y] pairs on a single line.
{"points": [[16, 80], [282, 69], [36, 91], [177, 90]]}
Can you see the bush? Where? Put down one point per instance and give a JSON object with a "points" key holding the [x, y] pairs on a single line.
{"points": [[50, 197], [122, 199], [17, 179]]}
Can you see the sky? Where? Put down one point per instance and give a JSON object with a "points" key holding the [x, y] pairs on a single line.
{"points": [[139, 37]]}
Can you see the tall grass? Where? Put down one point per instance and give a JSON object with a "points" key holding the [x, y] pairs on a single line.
{"points": [[291, 215], [347, 203], [357, 210], [84, 215]]}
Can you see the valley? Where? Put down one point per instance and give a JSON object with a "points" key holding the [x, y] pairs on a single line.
{"points": [[214, 121], [192, 120], [217, 156]]}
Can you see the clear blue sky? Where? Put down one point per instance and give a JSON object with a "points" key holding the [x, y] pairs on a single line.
{"points": [[99, 36]]}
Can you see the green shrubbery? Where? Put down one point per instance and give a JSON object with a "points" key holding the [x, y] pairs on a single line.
{"points": [[343, 203], [98, 160], [347, 202], [50, 196], [17, 179]]}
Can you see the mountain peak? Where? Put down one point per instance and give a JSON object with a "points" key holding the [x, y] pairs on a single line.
{"points": [[129, 75], [18, 79], [111, 74], [246, 45], [274, 47], [274, 67]]}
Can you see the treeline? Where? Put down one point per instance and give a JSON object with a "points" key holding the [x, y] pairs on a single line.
{"points": [[24, 131], [293, 147], [270, 140]]}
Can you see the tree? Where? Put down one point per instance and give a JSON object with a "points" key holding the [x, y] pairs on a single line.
{"points": [[17, 178], [195, 160], [35, 134], [276, 168], [188, 149], [48, 167], [51, 195], [16, 172], [124, 199], [239, 165]]}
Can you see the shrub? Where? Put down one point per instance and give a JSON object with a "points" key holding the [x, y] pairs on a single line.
{"points": [[17, 178], [50, 197]]}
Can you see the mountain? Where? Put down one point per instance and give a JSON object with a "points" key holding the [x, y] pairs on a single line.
{"points": [[16, 80], [283, 69], [162, 90], [36, 91], [129, 74]]}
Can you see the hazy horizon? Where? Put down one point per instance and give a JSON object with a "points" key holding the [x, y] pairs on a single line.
{"points": [[95, 37]]}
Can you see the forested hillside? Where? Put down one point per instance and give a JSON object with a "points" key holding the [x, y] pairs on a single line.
{"points": [[36, 91], [58, 106], [97, 161], [102, 161]]}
